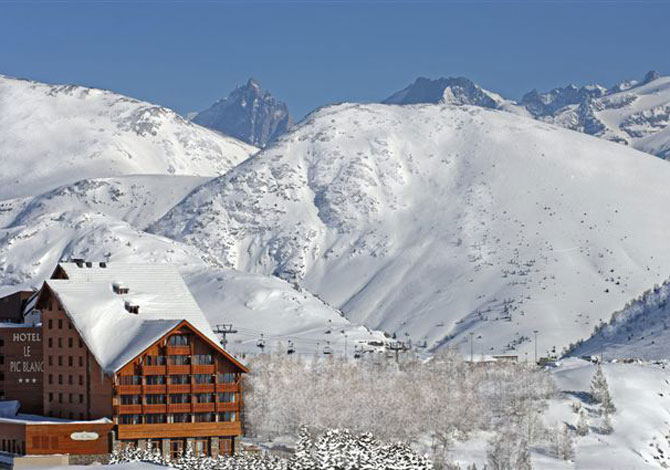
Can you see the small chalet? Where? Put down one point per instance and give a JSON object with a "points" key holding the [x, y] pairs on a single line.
{"points": [[125, 356]]}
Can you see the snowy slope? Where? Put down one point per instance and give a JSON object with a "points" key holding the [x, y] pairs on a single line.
{"points": [[52, 135], [641, 437], [640, 330], [103, 220], [438, 221]]}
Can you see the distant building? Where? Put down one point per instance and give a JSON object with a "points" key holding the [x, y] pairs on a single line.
{"points": [[117, 355], [11, 306]]}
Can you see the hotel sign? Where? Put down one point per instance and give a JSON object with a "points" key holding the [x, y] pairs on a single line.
{"points": [[27, 363]]}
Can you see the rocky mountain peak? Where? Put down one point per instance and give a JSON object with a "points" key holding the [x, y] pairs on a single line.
{"points": [[248, 113]]}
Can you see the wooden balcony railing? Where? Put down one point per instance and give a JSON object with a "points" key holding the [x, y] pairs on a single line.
{"points": [[129, 389], [178, 430], [227, 406], [202, 407], [203, 388], [178, 350], [153, 370], [207, 369], [179, 388], [179, 408], [129, 409], [173, 369], [155, 389], [227, 387], [150, 409]]}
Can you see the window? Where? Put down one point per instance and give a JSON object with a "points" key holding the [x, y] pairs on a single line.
{"points": [[60, 398], [130, 380], [60, 360], [180, 418], [51, 379], [203, 359], [60, 342], [50, 342], [156, 399], [204, 379], [130, 399], [227, 416], [70, 341], [180, 379], [60, 379], [227, 397], [155, 360], [81, 361], [70, 361], [51, 397], [176, 449], [201, 448], [155, 419], [51, 360], [69, 326], [180, 398], [155, 379], [60, 324], [51, 324], [70, 398], [69, 380], [178, 360], [130, 419], [204, 398], [179, 340], [81, 380], [81, 398], [204, 417], [81, 343], [226, 378]]}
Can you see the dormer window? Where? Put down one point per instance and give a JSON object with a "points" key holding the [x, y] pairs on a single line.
{"points": [[179, 340], [132, 308], [120, 288]]}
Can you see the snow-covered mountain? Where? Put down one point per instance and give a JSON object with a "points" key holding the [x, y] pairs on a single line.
{"points": [[438, 221], [51, 135], [631, 113], [249, 114], [634, 113], [452, 90], [103, 219]]}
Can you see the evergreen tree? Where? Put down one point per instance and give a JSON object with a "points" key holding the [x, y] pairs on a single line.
{"points": [[582, 426]]}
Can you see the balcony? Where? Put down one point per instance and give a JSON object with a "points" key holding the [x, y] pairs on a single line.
{"points": [[155, 389], [178, 351], [227, 406], [227, 387], [129, 409], [153, 370], [179, 430], [173, 369], [207, 369], [203, 388], [152, 409], [129, 389], [179, 388], [179, 408], [203, 407]]}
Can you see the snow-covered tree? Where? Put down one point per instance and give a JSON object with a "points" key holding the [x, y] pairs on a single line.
{"points": [[600, 390], [508, 451], [582, 426]]}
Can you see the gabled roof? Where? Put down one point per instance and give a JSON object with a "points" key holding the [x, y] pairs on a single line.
{"points": [[113, 334]]}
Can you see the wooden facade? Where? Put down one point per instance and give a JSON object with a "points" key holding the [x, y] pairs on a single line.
{"points": [[183, 390]]}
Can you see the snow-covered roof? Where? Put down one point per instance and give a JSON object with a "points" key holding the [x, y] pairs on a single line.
{"points": [[114, 335]]}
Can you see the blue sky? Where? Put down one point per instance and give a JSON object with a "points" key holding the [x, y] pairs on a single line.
{"points": [[186, 54]]}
